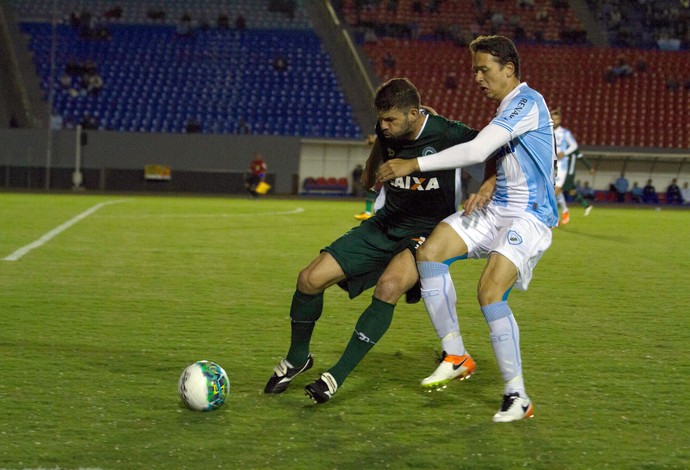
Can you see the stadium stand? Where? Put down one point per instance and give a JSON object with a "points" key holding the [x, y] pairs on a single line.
{"points": [[662, 23], [546, 21], [635, 111], [157, 80]]}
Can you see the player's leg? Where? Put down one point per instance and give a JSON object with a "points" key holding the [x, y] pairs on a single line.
{"points": [[571, 188], [496, 280], [516, 250], [563, 205], [438, 292], [368, 206], [305, 310], [399, 276]]}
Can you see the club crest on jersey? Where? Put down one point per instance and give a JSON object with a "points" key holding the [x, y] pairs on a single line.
{"points": [[414, 183], [514, 238]]}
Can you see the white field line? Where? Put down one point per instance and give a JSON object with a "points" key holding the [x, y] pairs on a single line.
{"points": [[297, 210], [225, 216], [55, 232]]}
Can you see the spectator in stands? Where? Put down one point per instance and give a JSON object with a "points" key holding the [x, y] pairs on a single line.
{"points": [[94, 84], [586, 191], [673, 195], [240, 22], [543, 14], [279, 64], [243, 127], [525, 3], [451, 81], [621, 187], [283, 6], [685, 193], [622, 68], [223, 22], [672, 84], [637, 193], [155, 14], [193, 126], [184, 26], [88, 122], [389, 61], [497, 19], [649, 195], [65, 81], [114, 13]]}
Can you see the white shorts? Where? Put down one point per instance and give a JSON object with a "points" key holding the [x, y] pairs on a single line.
{"points": [[519, 237]]}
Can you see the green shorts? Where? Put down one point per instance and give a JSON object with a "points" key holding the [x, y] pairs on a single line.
{"points": [[569, 183], [364, 252]]}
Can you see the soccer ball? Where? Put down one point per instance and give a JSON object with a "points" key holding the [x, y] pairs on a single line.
{"points": [[203, 386]]}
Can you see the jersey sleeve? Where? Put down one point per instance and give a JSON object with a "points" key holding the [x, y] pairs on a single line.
{"points": [[570, 142], [519, 116], [459, 132]]}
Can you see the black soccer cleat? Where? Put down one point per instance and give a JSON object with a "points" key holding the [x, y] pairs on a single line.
{"points": [[284, 373], [323, 389]]}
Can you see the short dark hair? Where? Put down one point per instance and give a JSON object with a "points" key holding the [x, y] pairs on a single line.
{"points": [[500, 47], [397, 93]]}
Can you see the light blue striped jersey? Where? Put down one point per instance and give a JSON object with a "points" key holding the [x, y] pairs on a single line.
{"points": [[526, 164]]}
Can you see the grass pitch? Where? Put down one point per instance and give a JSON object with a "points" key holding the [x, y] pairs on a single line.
{"points": [[98, 321]]}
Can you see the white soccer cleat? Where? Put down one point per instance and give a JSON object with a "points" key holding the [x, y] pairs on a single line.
{"points": [[514, 407], [451, 368], [588, 209]]}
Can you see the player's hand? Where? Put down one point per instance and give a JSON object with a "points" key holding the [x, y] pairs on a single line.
{"points": [[476, 201], [396, 168]]}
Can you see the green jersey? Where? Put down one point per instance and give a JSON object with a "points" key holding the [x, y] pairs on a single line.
{"points": [[422, 200]]}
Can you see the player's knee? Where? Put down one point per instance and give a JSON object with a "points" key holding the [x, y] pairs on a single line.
{"points": [[428, 252], [307, 283], [488, 293], [390, 288]]}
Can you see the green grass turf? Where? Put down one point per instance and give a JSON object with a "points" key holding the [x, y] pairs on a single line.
{"points": [[97, 324]]}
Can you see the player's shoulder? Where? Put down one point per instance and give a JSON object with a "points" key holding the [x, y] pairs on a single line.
{"points": [[441, 124]]}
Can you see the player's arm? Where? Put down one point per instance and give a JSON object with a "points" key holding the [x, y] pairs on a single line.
{"points": [[489, 139], [482, 197], [585, 162], [572, 144], [368, 178]]}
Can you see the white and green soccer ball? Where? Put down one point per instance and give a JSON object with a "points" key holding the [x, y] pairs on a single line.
{"points": [[203, 386]]}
